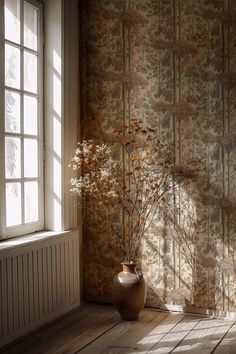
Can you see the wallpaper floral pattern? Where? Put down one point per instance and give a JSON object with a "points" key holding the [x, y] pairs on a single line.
{"points": [[172, 64]]}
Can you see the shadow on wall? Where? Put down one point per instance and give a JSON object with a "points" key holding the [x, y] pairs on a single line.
{"points": [[191, 265]]}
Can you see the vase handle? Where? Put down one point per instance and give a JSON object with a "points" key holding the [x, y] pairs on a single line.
{"points": [[139, 272]]}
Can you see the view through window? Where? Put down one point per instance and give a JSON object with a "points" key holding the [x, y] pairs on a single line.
{"points": [[22, 128]]}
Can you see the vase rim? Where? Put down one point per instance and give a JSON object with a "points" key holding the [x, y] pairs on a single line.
{"points": [[126, 263]]}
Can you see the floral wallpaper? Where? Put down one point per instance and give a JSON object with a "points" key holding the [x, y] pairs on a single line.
{"points": [[172, 64]]}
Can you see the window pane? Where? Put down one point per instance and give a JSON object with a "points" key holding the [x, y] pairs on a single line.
{"points": [[30, 115], [12, 157], [12, 66], [12, 112], [30, 26], [31, 201], [30, 72], [30, 158], [12, 20], [13, 204]]}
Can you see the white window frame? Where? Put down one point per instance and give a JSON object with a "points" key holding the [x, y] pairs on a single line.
{"points": [[24, 228], [61, 32], [61, 20]]}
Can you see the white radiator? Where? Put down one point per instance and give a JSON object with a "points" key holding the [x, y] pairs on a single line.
{"points": [[38, 282]]}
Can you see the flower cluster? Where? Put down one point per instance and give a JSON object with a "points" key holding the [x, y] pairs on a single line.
{"points": [[96, 168]]}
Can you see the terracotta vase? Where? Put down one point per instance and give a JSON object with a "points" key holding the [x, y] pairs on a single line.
{"points": [[129, 291]]}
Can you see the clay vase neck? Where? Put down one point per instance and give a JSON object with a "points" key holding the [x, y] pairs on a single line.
{"points": [[129, 267]]}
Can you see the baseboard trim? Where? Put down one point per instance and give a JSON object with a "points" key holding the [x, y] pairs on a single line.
{"points": [[106, 299]]}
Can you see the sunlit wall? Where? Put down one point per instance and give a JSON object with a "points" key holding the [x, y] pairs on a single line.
{"points": [[171, 64]]}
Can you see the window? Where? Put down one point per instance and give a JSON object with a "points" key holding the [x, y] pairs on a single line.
{"points": [[21, 95]]}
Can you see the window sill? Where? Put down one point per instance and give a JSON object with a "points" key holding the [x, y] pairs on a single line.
{"points": [[33, 238]]}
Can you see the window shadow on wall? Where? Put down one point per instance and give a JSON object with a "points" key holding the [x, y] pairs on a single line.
{"points": [[194, 266]]}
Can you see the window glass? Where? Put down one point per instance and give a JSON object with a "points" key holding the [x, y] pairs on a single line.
{"points": [[30, 115], [30, 158], [12, 157], [12, 20], [12, 66], [13, 204], [30, 26], [31, 201], [12, 112], [30, 72]]}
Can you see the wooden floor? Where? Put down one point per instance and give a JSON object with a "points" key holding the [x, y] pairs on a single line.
{"points": [[97, 329]]}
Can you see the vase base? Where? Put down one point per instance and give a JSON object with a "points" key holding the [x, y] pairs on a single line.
{"points": [[129, 318]]}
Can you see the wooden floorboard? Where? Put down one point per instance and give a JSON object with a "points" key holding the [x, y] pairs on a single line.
{"points": [[174, 337], [228, 343], [95, 329], [204, 337]]}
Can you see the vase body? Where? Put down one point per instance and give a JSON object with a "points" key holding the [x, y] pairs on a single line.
{"points": [[129, 292]]}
